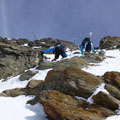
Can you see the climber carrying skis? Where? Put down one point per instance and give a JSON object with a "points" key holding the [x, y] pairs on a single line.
{"points": [[87, 45], [58, 50]]}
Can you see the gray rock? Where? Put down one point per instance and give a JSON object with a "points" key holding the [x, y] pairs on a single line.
{"points": [[110, 42], [27, 75]]}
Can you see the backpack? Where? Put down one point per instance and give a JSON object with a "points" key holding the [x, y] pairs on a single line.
{"points": [[88, 47]]}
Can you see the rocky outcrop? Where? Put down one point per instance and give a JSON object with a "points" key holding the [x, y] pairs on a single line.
{"points": [[59, 106], [71, 80], [109, 42], [76, 62], [48, 42], [17, 55], [14, 60]]}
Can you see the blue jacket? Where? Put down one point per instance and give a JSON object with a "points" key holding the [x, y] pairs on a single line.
{"points": [[52, 50], [83, 46]]}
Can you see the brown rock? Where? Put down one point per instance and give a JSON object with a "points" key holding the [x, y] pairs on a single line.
{"points": [[14, 92], [106, 100], [72, 81], [109, 42], [33, 83], [113, 91], [59, 106], [113, 78]]}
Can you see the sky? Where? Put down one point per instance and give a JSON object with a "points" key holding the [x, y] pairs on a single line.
{"points": [[70, 20]]}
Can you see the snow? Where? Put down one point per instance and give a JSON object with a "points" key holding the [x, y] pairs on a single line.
{"points": [[100, 88], [26, 45], [14, 82], [36, 47], [109, 64], [17, 109]]}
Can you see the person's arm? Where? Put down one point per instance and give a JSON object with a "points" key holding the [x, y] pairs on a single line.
{"points": [[49, 50], [81, 48], [92, 47]]}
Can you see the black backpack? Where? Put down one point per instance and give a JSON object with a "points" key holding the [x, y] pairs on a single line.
{"points": [[88, 47]]}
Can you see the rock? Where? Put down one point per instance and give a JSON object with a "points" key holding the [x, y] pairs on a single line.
{"points": [[109, 42], [93, 58], [14, 92], [46, 43], [46, 65], [59, 106], [113, 91], [106, 100], [16, 59], [112, 78], [34, 87], [71, 80], [78, 62], [101, 53], [33, 83], [27, 75]]}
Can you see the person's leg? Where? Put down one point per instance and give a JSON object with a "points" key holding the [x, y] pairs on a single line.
{"points": [[56, 56]]}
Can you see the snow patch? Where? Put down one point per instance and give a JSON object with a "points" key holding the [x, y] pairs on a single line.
{"points": [[100, 88]]}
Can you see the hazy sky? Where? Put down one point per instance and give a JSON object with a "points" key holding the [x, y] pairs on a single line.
{"points": [[70, 20]]}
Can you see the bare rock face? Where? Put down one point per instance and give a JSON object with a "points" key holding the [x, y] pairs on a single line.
{"points": [[72, 81], [59, 106], [106, 100], [110, 42]]}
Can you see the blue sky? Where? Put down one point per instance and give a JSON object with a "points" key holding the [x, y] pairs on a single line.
{"points": [[70, 20]]}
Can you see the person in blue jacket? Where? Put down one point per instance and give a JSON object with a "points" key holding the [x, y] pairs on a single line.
{"points": [[58, 50], [87, 45]]}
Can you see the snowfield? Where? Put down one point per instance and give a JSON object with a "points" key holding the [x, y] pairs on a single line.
{"points": [[17, 109]]}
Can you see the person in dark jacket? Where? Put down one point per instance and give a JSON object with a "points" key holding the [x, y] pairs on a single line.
{"points": [[58, 50], [87, 45]]}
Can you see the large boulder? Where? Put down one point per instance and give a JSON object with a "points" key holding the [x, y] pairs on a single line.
{"points": [[71, 80], [59, 106], [15, 59], [109, 42]]}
